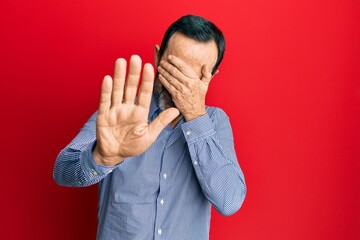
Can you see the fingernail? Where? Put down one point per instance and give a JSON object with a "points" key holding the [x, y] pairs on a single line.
{"points": [[169, 57]]}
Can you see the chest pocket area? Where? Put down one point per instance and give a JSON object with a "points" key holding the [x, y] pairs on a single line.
{"points": [[136, 180]]}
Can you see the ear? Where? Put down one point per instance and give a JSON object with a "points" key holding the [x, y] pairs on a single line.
{"points": [[217, 71], [206, 75], [156, 55]]}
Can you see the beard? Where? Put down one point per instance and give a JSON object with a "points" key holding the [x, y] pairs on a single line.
{"points": [[161, 95]]}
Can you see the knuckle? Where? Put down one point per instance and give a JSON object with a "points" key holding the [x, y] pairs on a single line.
{"points": [[172, 70], [177, 95], [165, 74], [187, 85]]}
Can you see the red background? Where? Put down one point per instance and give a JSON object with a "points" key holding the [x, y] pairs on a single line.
{"points": [[290, 82]]}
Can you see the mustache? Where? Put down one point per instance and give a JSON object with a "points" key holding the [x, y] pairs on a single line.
{"points": [[161, 95]]}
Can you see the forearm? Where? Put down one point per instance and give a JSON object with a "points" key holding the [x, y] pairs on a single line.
{"points": [[77, 168], [75, 165], [214, 160], [222, 182]]}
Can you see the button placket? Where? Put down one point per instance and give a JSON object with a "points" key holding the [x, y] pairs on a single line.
{"points": [[163, 189]]}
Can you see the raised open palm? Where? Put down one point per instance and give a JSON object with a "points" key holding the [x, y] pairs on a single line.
{"points": [[122, 128]]}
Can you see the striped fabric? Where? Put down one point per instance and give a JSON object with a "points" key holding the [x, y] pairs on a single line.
{"points": [[166, 192]]}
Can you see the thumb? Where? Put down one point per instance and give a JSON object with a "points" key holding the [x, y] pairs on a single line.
{"points": [[161, 121]]}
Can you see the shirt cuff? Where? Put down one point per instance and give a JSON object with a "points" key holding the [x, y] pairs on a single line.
{"points": [[198, 128], [90, 167]]}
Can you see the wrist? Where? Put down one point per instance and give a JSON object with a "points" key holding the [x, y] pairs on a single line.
{"points": [[190, 117], [106, 161]]}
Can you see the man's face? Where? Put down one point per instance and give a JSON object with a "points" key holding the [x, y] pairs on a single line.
{"points": [[195, 54]]}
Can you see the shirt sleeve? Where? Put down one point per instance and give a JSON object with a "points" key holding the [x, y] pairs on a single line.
{"points": [[211, 146], [75, 165]]}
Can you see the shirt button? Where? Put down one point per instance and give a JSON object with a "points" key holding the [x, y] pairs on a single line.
{"points": [[196, 163], [159, 231], [94, 173], [164, 175], [162, 201], [188, 133]]}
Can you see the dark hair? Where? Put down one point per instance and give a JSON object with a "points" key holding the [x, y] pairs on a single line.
{"points": [[199, 29]]}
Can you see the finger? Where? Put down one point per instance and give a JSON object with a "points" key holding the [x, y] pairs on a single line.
{"points": [[173, 71], [146, 87], [167, 85], [161, 121], [169, 78], [132, 79], [119, 79], [181, 65], [105, 95]]}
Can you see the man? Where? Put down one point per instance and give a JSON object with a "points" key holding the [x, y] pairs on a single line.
{"points": [[160, 160]]}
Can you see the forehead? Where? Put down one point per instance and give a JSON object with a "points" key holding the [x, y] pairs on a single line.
{"points": [[197, 54]]}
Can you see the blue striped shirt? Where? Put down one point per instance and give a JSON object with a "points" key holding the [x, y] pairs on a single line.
{"points": [[166, 192]]}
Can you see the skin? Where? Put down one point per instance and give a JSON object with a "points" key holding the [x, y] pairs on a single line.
{"points": [[122, 123], [185, 71]]}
